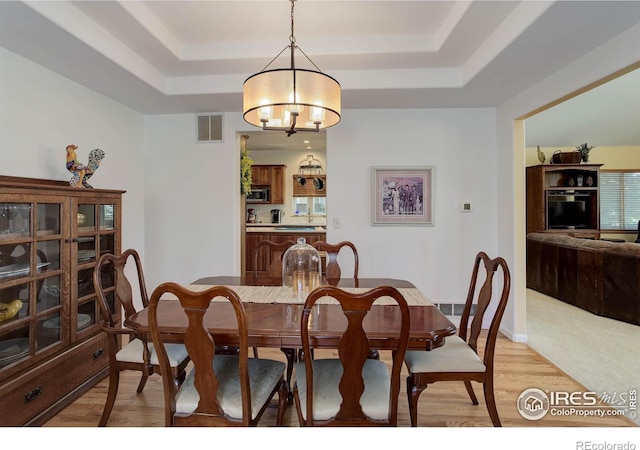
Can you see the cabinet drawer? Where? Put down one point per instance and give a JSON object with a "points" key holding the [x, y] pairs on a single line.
{"points": [[32, 393]]}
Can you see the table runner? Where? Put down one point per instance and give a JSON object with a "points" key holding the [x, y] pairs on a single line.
{"points": [[283, 294]]}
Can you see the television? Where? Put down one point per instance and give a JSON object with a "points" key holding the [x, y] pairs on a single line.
{"points": [[568, 214]]}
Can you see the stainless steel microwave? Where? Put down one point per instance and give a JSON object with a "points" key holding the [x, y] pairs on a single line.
{"points": [[259, 195]]}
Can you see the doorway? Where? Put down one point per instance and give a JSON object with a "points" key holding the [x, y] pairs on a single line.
{"points": [[271, 148]]}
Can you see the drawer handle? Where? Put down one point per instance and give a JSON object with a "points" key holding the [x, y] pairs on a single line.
{"points": [[98, 353], [33, 394]]}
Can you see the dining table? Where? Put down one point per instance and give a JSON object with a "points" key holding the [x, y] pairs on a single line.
{"points": [[273, 315]]}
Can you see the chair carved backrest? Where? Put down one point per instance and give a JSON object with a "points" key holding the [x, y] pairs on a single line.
{"points": [[332, 268], [274, 252], [202, 350], [353, 351], [111, 264], [484, 299]]}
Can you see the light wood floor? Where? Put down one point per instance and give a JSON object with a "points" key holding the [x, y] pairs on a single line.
{"points": [[517, 367]]}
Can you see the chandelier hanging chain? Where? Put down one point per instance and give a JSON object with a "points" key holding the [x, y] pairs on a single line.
{"points": [[292, 46], [292, 38]]}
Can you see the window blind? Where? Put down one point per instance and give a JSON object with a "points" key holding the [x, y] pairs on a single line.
{"points": [[619, 200]]}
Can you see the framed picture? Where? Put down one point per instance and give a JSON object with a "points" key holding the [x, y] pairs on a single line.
{"points": [[402, 196]]}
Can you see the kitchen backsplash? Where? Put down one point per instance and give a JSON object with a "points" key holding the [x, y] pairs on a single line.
{"points": [[263, 215]]}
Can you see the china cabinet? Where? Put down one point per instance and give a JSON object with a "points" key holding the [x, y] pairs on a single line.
{"points": [[564, 198], [52, 348]]}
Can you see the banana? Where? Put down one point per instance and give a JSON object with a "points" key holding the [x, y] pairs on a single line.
{"points": [[9, 310]]}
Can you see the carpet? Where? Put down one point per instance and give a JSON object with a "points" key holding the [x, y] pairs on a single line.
{"points": [[600, 353]]}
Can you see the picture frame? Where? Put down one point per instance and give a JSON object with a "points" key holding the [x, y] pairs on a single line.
{"points": [[402, 196]]}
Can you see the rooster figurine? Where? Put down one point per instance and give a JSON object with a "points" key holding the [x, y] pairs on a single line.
{"points": [[82, 173]]}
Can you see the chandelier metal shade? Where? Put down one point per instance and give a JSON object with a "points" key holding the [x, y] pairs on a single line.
{"points": [[291, 99]]}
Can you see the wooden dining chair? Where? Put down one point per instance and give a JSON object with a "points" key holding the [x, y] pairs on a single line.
{"points": [[221, 389], [351, 390], [137, 354], [331, 268], [273, 252], [458, 359]]}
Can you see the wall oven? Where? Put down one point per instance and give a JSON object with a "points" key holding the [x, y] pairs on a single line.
{"points": [[259, 195]]}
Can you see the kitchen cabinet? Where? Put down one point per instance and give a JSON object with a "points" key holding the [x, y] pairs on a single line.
{"points": [[271, 177], [564, 198], [252, 239], [52, 349], [261, 175]]}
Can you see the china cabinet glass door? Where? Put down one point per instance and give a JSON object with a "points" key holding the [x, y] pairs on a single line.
{"points": [[94, 234], [32, 235]]}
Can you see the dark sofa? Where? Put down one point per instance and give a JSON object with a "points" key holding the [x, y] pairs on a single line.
{"points": [[599, 276]]}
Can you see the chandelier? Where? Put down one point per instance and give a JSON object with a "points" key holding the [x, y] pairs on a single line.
{"points": [[291, 99]]}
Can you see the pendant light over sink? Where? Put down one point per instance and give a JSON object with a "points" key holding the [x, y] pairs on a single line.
{"points": [[291, 99]]}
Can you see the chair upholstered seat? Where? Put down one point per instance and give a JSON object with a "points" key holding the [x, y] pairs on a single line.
{"points": [[326, 396], [264, 376], [454, 356], [132, 352]]}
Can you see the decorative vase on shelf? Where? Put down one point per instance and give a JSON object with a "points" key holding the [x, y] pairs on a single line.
{"points": [[584, 150]]}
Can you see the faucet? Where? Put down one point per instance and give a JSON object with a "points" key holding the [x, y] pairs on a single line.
{"points": [[310, 216]]}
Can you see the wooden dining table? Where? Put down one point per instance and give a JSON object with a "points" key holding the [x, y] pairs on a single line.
{"points": [[274, 322]]}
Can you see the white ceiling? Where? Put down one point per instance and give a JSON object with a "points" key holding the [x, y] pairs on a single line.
{"points": [[193, 56]]}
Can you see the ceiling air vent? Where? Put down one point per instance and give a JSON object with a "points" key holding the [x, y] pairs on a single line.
{"points": [[209, 128]]}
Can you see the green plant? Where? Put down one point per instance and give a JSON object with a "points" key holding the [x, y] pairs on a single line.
{"points": [[245, 172], [584, 150]]}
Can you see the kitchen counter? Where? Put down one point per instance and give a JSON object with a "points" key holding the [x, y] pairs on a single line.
{"points": [[279, 228]]}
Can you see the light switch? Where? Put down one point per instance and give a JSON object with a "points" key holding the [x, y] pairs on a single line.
{"points": [[337, 222]]}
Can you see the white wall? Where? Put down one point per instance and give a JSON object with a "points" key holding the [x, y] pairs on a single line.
{"points": [[42, 112], [460, 145], [193, 216], [192, 201]]}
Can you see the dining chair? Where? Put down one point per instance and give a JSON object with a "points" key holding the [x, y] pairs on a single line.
{"points": [[137, 354], [221, 389], [333, 273], [332, 269], [458, 359], [352, 389], [273, 251]]}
